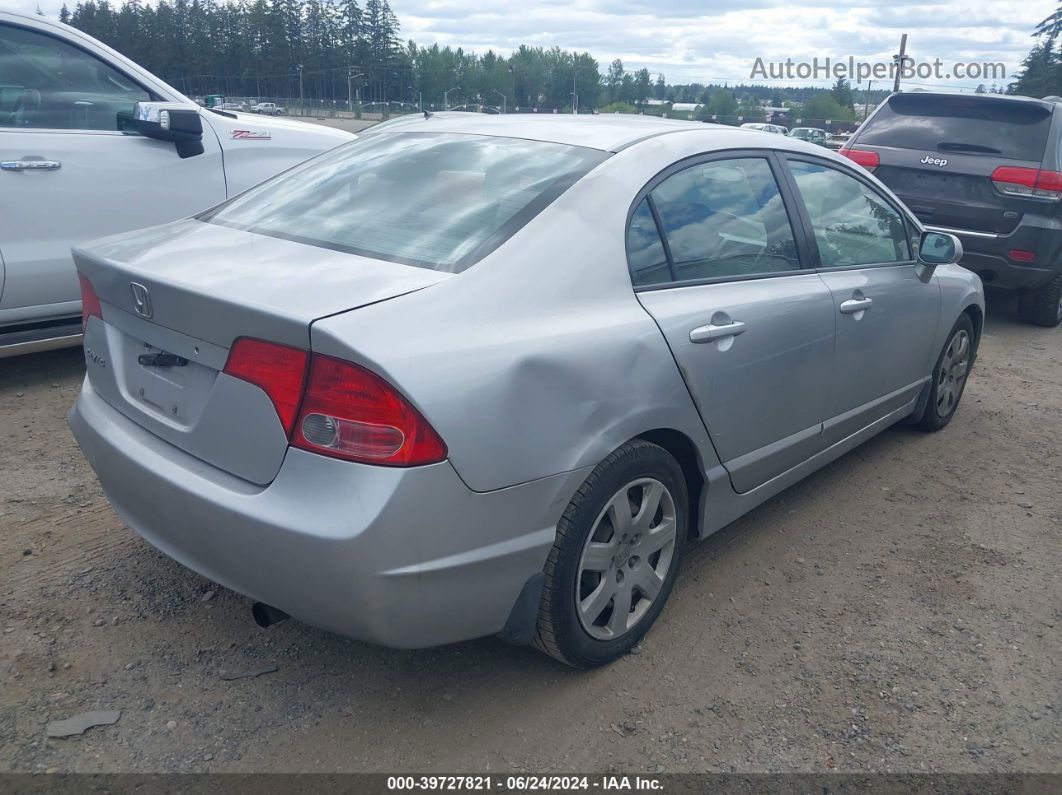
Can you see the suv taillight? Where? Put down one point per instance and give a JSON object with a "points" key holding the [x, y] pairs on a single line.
{"points": [[1016, 181], [349, 412], [335, 408], [868, 160], [90, 302]]}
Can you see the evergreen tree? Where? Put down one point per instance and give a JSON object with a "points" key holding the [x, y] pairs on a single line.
{"points": [[1040, 76], [842, 93]]}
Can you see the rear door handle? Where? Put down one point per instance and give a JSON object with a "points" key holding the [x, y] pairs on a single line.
{"points": [[711, 333], [26, 165], [853, 305]]}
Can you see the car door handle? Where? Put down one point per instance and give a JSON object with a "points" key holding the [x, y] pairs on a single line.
{"points": [[711, 333], [853, 305], [25, 165]]}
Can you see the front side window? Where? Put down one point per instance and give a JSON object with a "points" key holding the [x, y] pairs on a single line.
{"points": [[853, 225], [724, 218], [434, 200], [46, 83]]}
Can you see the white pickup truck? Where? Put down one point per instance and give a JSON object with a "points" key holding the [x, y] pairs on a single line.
{"points": [[267, 108], [92, 144]]}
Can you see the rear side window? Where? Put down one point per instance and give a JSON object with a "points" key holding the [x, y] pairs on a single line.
{"points": [[723, 218], [852, 224], [645, 250], [434, 200], [46, 83], [971, 125]]}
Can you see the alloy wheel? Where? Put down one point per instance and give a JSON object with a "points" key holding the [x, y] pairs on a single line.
{"points": [[626, 559], [954, 368]]}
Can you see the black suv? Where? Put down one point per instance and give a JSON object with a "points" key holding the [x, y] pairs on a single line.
{"points": [[987, 169]]}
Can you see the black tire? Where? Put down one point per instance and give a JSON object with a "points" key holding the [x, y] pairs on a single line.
{"points": [[560, 632], [1042, 307], [940, 409]]}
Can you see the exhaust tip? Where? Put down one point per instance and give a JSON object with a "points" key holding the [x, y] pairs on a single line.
{"points": [[267, 615]]}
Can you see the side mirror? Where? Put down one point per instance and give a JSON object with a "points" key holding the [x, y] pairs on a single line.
{"points": [[171, 121], [939, 248]]}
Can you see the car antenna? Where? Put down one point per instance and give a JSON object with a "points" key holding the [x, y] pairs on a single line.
{"points": [[427, 114]]}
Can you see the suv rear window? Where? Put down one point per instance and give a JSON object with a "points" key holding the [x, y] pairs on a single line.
{"points": [[971, 125], [434, 200]]}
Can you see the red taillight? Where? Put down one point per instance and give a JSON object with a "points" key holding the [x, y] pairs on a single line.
{"points": [[868, 160], [346, 411], [90, 302], [278, 370], [1020, 255], [351, 413], [1017, 181]]}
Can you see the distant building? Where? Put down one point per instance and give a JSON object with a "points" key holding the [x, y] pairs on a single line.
{"points": [[686, 107]]}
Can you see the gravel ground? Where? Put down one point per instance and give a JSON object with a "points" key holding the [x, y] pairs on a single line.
{"points": [[898, 611]]}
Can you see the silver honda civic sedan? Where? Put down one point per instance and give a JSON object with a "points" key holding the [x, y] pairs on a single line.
{"points": [[490, 375]]}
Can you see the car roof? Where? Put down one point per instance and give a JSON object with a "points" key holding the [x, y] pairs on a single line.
{"points": [[608, 131]]}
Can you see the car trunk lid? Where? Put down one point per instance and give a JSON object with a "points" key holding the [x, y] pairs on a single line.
{"points": [[951, 190], [938, 154], [175, 298]]}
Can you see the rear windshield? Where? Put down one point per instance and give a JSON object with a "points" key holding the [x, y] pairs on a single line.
{"points": [[971, 125], [434, 200]]}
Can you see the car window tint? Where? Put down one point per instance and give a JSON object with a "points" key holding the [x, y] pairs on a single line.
{"points": [[46, 83], [853, 225], [434, 200], [725, 218], [645, 250]]}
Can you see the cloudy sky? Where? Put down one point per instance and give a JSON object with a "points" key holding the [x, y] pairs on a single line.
{"points": [[717, 40]]}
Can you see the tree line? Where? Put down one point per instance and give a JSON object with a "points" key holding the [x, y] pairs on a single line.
{"points": [[337, 50], [1041, 73]]}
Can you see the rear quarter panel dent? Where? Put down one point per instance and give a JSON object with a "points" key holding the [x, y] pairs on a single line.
{"points": [[539, 359]]}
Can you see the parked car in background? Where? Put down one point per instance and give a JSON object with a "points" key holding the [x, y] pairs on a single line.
{"points": [[83, 153], [728, 313], [837, 141], [267, 108], [762, 127], [232, 107], [813, 135], [987, 168]]}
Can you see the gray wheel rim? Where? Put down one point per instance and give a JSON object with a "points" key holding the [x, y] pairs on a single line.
{"points": [[1060, 308], [626, 559], [953, 370]]}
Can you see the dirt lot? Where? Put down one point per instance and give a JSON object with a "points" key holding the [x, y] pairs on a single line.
{"points": [[900, 610]]}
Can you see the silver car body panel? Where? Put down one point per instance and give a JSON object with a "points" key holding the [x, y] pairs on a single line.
{"points": [[533, 365], [401, 557], [763, 395]]}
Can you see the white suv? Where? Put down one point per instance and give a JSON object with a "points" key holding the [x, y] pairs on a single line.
{"points": [[92, 144]]}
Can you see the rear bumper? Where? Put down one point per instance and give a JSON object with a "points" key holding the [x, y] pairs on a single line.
{"points": [[987, 255], [401, 557]]}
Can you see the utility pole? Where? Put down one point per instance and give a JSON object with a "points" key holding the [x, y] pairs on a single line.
{"points": [[351, 77], [900, 61], [302, 105], [512, 74], [575, 95]]}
